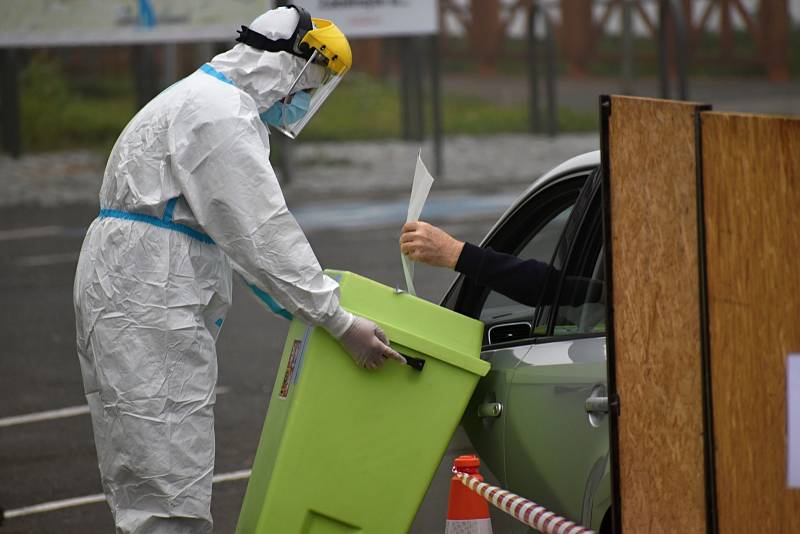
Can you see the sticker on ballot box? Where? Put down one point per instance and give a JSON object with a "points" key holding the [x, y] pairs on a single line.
{"points": [[290, 367]]}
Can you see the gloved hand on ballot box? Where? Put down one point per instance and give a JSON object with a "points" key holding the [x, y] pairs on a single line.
{"points": [[368, 345]]}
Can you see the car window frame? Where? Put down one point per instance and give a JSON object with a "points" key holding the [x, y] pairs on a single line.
{"points": [[457, 296], [583, 223]]}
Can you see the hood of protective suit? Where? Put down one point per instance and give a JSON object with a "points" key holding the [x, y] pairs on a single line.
{"points": [[268, 76], [265, 76]]}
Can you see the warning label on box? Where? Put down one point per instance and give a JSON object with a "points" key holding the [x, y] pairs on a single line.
{"points": [[287, 376]]}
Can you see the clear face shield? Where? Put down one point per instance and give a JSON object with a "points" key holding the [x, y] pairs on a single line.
{"points": [[308, 92]]}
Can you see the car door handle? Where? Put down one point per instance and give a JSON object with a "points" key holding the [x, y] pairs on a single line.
{"points": [[596, 405], [490, 409]]}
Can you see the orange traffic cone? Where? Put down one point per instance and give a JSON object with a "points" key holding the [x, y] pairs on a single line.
{"points": [[467, 512]]}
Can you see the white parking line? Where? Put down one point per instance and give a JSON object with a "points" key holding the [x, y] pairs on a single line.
{"points": [[28, 233], [230, 477], [54, 505], [99, 497], [72, 411], [61, 413]]}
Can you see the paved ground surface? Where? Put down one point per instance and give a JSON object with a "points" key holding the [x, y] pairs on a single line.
{"points": [[350, 199]]}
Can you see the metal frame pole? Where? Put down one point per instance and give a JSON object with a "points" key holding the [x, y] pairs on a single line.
{"points": [[282, 143], [170, 68], [283, 161], [663, 53], [405, 89], [145, 78], [9, 99], [627, 47], [681, 48], [671, 12], [436, 100], [534, 114], [550, 78], [418, 91]]}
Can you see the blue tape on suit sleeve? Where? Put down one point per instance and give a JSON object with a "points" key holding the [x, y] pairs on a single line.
{"points": [[270, 302]]}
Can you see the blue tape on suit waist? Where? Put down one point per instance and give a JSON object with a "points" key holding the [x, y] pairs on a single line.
{"points": [[165, 222]]}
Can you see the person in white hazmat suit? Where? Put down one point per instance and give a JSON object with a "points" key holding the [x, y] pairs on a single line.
{"points": [[188, 196]]}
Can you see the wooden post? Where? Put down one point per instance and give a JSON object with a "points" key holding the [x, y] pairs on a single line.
{"points": [[725, 31], [774, 24], [576, 33], [368, 57], [485, 34]]}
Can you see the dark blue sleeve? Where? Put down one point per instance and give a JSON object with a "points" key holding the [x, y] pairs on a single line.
{"points": [[520, 280]]}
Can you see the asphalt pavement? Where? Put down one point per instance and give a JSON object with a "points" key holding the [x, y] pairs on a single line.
{"points": [[47, 454]]}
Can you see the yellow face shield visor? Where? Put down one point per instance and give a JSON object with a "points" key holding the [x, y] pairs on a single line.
{"points": [[329, 62]]}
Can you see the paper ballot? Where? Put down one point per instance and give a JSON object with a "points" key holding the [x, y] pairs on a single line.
{"points": [[419, 193]]}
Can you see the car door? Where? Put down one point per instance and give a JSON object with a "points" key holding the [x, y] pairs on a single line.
{"points": [[533, 231], [555, 452]]}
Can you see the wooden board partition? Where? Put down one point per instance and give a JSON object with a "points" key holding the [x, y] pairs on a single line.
{"points": [[655, 345], [751, 174]]}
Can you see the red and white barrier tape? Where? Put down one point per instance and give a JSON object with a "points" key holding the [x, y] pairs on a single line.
{"points": [[522, 509]]}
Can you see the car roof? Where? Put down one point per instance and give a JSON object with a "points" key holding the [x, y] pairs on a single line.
{"points": [[582, 162]]}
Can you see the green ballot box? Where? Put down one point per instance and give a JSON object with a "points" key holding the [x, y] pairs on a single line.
{"points": [[345, 450]]}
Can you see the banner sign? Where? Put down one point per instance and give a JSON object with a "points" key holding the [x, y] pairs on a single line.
{"points": [[378, 18], [51, 23]]}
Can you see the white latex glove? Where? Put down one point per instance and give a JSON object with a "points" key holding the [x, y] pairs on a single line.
{"points": [[368, 345]]}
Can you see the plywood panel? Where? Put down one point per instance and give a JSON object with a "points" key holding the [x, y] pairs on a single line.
{"points": [[656, 308], [751, 168]]}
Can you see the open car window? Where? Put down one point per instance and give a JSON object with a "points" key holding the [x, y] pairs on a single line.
{"points": [[577, 286], [534, 231], [581, 301], [539, 248]]}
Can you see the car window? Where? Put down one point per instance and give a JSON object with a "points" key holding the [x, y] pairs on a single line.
{"points": [[540, 248], [581, 303], [581, 294], [533, 231]]}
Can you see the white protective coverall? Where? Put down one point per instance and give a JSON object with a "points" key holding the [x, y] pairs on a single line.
{"points": [[188, 194]]}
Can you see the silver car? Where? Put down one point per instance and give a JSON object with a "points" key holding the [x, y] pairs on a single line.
{"points": [[538, 420]]}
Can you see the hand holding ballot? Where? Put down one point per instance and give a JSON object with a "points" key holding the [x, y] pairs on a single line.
{"points": [[430, 244]]}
